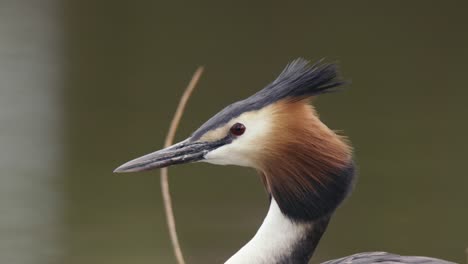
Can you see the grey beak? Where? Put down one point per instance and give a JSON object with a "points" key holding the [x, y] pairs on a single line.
{"points": [[182, 152]]}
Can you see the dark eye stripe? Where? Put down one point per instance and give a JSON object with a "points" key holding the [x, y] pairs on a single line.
{"points": [[237, 129]]}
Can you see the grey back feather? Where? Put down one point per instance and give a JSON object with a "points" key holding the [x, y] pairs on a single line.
{"points": [[385, 258], [298, 80]]}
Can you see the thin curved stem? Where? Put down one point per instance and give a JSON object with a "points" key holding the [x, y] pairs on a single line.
{"points": [[164, 173]]}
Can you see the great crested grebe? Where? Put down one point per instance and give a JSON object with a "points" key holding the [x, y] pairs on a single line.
{"points": [[307, 169]]}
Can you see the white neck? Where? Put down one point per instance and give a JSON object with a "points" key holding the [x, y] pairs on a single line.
{"points": [[275, 241]]}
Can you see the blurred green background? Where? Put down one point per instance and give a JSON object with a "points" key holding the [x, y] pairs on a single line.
{"points": [[88, 85]]}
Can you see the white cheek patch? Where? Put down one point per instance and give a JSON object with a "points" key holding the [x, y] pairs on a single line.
{"points": [[230, 154], [242, 150], [225, 156]]}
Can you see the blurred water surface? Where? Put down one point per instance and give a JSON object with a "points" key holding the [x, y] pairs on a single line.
{"points": [[87, 85]]}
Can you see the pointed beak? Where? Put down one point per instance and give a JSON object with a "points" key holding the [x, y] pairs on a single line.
{"points": [[182, 152]]}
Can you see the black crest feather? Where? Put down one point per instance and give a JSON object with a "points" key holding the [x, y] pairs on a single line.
{"points": [[298, 80]]}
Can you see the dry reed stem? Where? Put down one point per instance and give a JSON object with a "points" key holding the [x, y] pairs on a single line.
{"points": [[466, 251], [164, 179]]}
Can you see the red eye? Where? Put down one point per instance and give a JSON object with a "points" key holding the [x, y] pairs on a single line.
{"points": [[237, 129]]}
